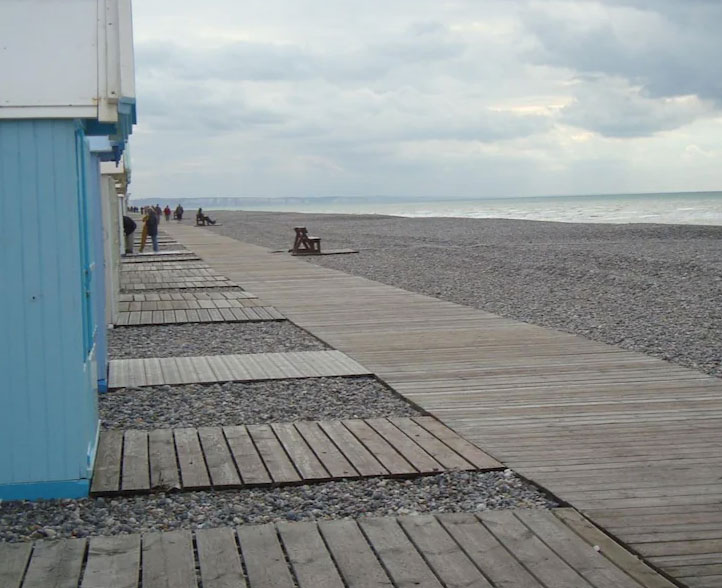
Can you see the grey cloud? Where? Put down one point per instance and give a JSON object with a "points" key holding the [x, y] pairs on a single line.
{"points": [[613, 109], [174, 106], [672, 49], [253, 61]]}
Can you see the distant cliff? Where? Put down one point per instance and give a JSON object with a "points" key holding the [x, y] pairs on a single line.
{"points": [[221, 202]]}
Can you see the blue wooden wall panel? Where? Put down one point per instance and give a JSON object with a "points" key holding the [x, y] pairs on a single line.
{"points": [[96, 222], [49, 415]]}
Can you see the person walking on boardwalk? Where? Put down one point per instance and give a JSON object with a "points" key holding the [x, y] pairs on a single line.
{"points": [[129, 227], [150, 229]]}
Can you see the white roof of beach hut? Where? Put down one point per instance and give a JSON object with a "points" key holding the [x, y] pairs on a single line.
{"points": [[66, 59]]}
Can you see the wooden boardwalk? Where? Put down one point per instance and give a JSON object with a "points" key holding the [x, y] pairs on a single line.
{"points": [[163, 308], [197, 315], [506, 549], [164, 265], [173, 281], [126, 373], [631, 440], [160, 256], [205, 299], [240, 456]]}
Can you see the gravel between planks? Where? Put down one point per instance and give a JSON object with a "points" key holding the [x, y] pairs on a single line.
{"points": [[194, 339], [449, 492], [236, 403]]}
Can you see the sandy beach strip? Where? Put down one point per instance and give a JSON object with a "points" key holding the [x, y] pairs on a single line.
{"points": [[656, 289]]}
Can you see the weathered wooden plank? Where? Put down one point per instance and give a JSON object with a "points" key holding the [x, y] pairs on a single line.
{"points": [[259, 367], [363, 461], [187, 370], [123, 318], [239, 372], [595, 568], [353, 556], [113, 562], [433, 446], [215, 315], [153, 372], [194, 474], [170, 370], [274, 457], [262, 553], [468, 451], [312, 565], [227, 315], [300, 453], [136, 467], [56, 564], [250, 465], [13, 561], [531, 551], [218, 458], [332, 459], [239, 315], [411, 452], [218, 559], [106, 473], [491, 557], [287, 368], [401, 560], [168, 560], [614, 552], [377, 445], [221, 369], [202, 369], [451, 565], [163, 466]]}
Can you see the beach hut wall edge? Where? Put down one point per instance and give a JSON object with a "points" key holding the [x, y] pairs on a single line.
{"points": [[49, 420]]}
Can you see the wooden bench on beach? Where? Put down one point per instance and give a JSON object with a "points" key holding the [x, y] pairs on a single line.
{"points": [[305, 245]]}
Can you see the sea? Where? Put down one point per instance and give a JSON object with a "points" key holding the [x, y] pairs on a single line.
{"points": [[697, 208]]}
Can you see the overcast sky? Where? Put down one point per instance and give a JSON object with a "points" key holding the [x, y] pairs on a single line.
{"points": [[447, 98]]}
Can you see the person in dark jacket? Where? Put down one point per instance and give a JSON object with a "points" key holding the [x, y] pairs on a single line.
{"points": [[152, 224], [129, 227], [150, 229]]}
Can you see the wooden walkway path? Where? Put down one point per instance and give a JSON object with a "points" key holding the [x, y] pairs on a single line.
{"points": [[506, 549], [632, 441], [164, 308], [240, 456], [126, 373], [174, 282], [164, 265], [197, 315], [160, 256]]}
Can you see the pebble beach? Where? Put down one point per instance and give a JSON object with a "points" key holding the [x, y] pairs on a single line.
{"points": [[235, 403], [650, 288]]}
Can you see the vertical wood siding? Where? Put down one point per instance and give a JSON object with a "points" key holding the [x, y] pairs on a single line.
{"points": [[49, 415]]}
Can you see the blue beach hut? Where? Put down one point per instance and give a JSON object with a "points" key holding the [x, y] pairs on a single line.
{"points": [[67, 74]]}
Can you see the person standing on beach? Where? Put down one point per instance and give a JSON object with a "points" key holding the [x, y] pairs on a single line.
{"points": [[166, 212], [150, 229], [144, 230], [152, 224], [129, 227]]}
